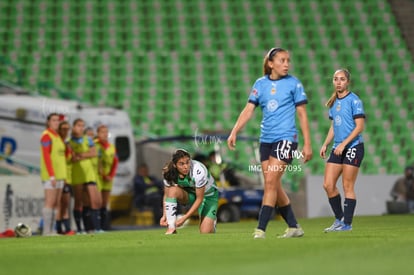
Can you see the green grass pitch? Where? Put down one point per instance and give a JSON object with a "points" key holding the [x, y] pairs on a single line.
{"points": [[377, 245]]}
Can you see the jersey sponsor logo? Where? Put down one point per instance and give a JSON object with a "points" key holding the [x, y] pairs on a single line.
{"points": [[273, 90], [272, 105]]}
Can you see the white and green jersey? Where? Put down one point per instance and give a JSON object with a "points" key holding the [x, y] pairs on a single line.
{"points": [[198, 177]]}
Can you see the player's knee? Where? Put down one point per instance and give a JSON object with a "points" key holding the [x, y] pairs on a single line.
{"points": [[173, 191], [329, 188]]}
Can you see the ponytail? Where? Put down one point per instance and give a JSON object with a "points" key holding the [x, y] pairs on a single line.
{"points": [[331, 100], [266, 69]]}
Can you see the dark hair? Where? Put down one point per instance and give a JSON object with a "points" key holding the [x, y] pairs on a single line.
{"points": [[169, 172], [101, 126], [49, 117], [331, 100], [77, 120], [62, 123], [269, 57]]}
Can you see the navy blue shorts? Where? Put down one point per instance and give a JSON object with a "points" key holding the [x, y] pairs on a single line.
{"points": [[67, 188], [282, 150], [351, 156]]}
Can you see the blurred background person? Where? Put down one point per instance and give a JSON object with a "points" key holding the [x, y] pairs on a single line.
{"points": [[107, 163], [84, 175], [148, 192], [403, 189], [52, 171], [62, 216]]}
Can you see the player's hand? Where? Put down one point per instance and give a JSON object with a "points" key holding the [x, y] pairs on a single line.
{"points": [[231, 142], [53, 182], [180, 221], [163, 221], [322, 152], [307, 153], [339, 149], [76, 157]]}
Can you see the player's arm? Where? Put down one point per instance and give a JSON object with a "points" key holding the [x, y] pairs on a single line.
{"points": [[114, 166], [328, 140], [46, 143], [199, 199], [245, 115], [91, 152], [304, 125]]}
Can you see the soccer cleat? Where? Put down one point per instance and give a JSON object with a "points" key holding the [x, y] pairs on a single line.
{"points": [[259, 234], [336, 225], [293, 232], [345, 227], [70, 233]]}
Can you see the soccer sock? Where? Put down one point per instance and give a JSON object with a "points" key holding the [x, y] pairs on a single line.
{"points": [[335, 203], [66, 223], [59, 226], [86, 218], [104, 218], [287, 214], [171, 211], [349, 208], [77, 215], [264, 216], [96, 219], [47, 220]]}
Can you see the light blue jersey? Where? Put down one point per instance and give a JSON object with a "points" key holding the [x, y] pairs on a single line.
{"points": [[278, 100], [343, 112]]}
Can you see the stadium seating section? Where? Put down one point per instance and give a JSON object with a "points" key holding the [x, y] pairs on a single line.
{"points": [[182, 66]]}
